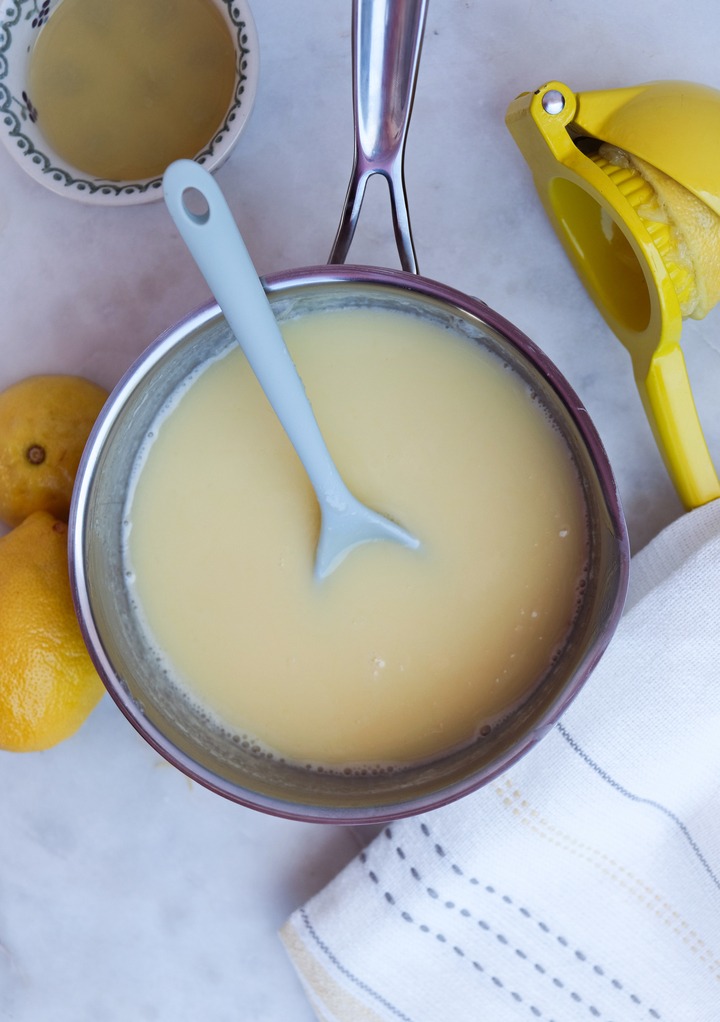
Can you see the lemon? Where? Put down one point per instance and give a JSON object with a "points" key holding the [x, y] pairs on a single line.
{"points": [[48, 684], [44, 425], [690, 247]]}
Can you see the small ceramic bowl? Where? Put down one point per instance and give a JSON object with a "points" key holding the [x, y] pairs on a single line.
{"points": [[20, 23]]}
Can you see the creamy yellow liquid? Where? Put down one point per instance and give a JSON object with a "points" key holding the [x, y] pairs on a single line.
{"points": [[399, 654], [124, 87]]}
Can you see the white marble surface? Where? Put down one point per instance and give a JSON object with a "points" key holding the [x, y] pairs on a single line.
{"points": [[125, 891]]}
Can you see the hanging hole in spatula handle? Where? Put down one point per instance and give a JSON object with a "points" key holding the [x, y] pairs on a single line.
{"points": [[195, 206]]}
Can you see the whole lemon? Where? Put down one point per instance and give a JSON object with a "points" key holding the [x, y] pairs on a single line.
{"points": [[48, 684], [44, 425]]}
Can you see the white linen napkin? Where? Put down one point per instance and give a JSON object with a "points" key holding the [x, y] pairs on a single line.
{"points": [[582, 884]]}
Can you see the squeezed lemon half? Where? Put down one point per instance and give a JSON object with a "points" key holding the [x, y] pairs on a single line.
{"points": [[684, 229]]}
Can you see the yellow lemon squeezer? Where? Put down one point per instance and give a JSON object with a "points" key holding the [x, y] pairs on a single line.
{"points": [[630, 179]]}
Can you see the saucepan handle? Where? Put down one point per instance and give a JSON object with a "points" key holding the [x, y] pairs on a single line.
{"points": [[386, 43]]}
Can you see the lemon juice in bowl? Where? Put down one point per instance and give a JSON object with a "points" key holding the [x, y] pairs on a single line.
{"points": [[122, 89]]}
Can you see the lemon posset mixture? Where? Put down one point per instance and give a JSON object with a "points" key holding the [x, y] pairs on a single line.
{"points": [[123, 89], [399, 655]]}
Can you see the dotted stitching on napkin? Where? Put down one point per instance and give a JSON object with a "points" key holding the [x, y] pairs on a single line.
{"points": [[501, 938], [645, 894], [477, 966], [460, 952], [579, 955], [347, 973]]}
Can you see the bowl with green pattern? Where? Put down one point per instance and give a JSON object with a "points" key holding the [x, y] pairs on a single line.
{"points": [[29, 29]]}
